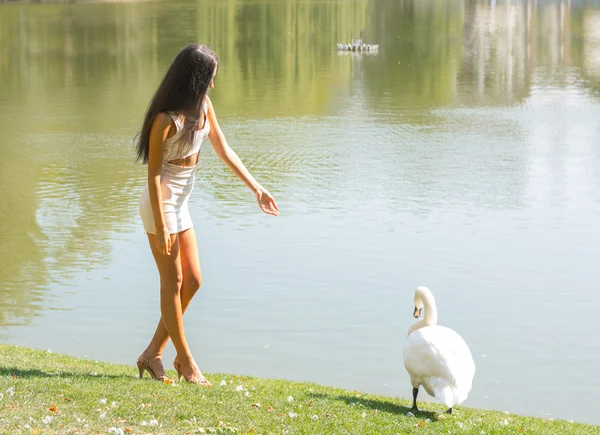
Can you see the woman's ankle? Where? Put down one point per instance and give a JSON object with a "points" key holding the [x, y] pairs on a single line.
{"points": [[186, 358], [153, 353]]}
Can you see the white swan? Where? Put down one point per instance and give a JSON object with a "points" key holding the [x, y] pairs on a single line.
{"points": [[436, 357]]}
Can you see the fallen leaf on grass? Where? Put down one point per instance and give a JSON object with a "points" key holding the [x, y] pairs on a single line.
{"points": [[52, 408]]}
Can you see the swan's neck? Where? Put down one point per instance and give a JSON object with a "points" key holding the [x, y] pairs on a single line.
{"points": [[431, 316]]}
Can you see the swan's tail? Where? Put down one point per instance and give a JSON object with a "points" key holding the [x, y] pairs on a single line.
{"points": [[446, 394]]}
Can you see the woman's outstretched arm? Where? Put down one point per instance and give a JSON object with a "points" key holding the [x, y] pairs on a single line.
{"points": [[265, 201]]}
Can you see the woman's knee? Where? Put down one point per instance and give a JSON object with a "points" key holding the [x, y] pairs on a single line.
{"points": [[193, 282]]}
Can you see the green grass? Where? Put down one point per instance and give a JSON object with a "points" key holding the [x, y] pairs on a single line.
{"points": [[46, 393]]}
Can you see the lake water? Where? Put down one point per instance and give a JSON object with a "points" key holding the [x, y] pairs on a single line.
{"points": [[464, 156]]}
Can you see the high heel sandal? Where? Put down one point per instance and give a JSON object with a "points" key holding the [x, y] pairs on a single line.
{"points": [[199, 380], [143, 363]]}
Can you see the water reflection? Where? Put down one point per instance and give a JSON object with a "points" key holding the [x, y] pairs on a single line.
{"points": [[77, 77], [23, 263], [420, 54]]}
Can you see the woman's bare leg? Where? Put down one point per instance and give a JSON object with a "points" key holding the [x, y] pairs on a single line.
{"points": [[171, 279], [192, 279]]}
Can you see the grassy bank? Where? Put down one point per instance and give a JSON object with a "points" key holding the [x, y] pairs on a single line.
{"points": [[46, 393]]}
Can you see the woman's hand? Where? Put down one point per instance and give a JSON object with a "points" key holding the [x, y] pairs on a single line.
{"points": [[266, 202], [163, 241]]}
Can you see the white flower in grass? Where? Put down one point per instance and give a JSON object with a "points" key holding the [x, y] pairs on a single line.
{"points": [[10, 392], [47, 419], [102, 401], [27, 426], [113, 404], [247, 394], [153, 423], [239, 388], [364, 415], [1, 396], [461, 425], [144, 423], [116, 431], [102, 415], [223, 383], [315, 417], [290, 399], [292, 414], [504, 422]]}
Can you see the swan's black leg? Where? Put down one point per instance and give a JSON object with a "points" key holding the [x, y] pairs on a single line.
{"points": [[449, 411], [415, 392]]}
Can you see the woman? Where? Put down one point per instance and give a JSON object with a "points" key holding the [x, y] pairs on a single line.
{"points": [[178, 118]]}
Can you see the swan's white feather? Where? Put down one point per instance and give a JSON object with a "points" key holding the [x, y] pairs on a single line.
{"points": [[438, 359]]}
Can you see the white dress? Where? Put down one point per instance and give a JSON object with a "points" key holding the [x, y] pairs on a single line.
{"points": [[176, 183]]}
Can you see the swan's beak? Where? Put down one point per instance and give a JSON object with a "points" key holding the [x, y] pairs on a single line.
{"points": [[417, 313]]}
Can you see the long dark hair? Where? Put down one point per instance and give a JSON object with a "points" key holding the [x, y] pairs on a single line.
{"points": [[182, 90]]}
